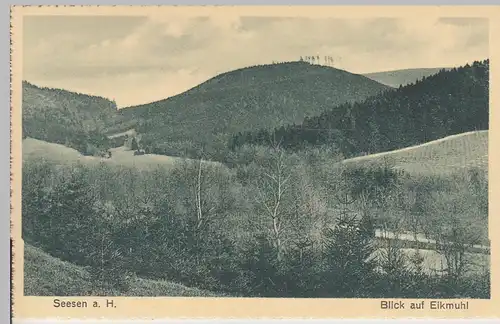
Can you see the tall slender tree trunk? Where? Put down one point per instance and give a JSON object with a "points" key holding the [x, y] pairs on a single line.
{"points": [[199, 216], [198, 197], [277, 239]]}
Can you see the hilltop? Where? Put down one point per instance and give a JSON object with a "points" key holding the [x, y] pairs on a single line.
{"points": [[445, 155], [250, 98], [402, 77]]}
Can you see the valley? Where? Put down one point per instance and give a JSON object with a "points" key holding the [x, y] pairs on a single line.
{"points": [[262, 182]]}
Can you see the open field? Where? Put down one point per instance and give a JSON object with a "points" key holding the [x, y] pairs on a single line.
{"points": [[436, 157], [62, 155]]}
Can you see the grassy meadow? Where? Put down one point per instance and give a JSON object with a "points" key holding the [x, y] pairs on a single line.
{"points": [[443, 156]]}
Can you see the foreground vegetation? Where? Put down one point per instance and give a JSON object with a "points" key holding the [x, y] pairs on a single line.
{"points": [[280, 224], [45, 275]]}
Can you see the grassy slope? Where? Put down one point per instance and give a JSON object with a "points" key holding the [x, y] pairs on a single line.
{"points": [[45, 275], [436, 157], [34, 149], [401, 77], [249, 98]]}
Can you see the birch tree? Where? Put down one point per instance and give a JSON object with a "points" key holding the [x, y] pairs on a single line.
{"points": [[308, 217], [272, 189], [208, 194]]}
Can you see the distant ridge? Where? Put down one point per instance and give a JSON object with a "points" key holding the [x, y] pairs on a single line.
{"points": [[402, 77]]}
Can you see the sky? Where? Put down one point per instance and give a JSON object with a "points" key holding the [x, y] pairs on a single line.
{"points": [[140, 59]]}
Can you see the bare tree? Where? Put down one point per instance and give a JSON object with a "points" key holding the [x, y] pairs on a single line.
{"points": [[207, 204], [453, 242], [307, 220], [199, 213], [414, 221], [272, 187], [343, 200], [198, 186], [451, 218]]}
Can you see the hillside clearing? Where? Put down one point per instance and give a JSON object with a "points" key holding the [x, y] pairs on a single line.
{"points": [[444, 155], [59, 154], [45, 275]]}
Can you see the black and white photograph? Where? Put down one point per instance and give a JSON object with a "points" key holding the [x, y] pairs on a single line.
{"points": [[255, 156]]}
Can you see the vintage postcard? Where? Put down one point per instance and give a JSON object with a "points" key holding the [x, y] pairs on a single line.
{"points": [[255, 162]]}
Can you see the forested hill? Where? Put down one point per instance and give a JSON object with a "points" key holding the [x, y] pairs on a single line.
{"points": [[447, 103], [64, 117], [264, 96]]}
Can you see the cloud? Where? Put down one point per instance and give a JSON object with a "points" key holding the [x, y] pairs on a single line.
{"points": [[133, 88], [142, 59]]}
